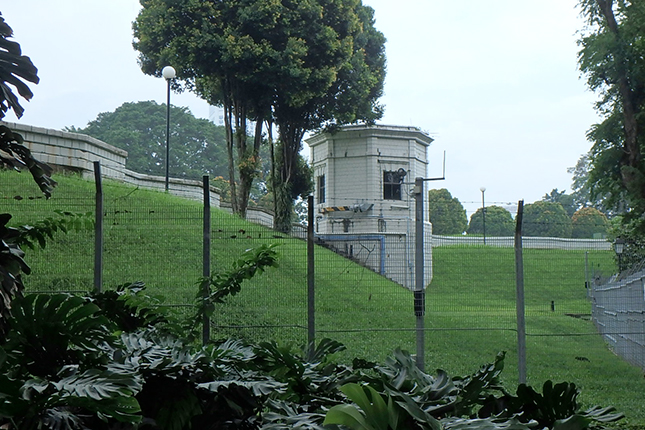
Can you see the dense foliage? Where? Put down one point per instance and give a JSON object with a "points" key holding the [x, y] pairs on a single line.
{"points": [[589, 223], [115, 360], [197, 146], [499, 222], [546, 219], [446, 213], [612, 57], [568, 201]]}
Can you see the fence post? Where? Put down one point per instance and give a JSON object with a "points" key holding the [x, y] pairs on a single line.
{"points": [[311, 290], [98, 228], [519, 301], [206, 252], [419, 273]]}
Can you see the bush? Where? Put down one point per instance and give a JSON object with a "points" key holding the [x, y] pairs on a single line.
{"points": [[546, 219], [499, 222], [588, 222]]}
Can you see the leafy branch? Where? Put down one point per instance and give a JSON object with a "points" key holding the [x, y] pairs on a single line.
{"points": [[217, 287], [30, 235]]}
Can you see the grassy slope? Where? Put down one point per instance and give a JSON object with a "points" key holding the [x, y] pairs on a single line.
{"points": [[470, 305]]}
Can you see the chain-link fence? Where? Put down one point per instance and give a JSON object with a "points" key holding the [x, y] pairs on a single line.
{"points": [[470, 302]]}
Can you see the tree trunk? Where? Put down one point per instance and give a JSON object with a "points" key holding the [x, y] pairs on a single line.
{"points": [[240, 139], [631, 148], [272, 155], [290, 146], [228, 117], [248, 164]]}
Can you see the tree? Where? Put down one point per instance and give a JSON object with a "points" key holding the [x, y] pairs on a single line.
{"points": [[546, 219], [301, 65], [589, 222], [446, 213], [499, 222], [197, 145], [613, 59], [338, 81], [566, 200], [207, 43]]}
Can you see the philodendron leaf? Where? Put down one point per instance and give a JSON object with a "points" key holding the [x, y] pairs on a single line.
{"points": [[371, 402], [485, 424], [604, 415], [348, 416], [574, 422]]}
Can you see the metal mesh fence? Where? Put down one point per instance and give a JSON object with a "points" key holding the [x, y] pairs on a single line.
{"points": [[470, 303]]}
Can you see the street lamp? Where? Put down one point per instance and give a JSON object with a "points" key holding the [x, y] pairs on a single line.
{"points": [[619, 247], [483, 190], [168, 73]]}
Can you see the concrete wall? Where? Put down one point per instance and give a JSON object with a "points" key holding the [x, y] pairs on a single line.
{"points": [[78, 152], [72, 151]]}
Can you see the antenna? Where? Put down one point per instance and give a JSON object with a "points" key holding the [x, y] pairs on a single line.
{"points": [[443, 176]]}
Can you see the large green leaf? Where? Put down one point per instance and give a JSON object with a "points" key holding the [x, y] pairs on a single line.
{"points": [[371, 403], [455, 423], [347, 415], [52, 331], [14, 69]]}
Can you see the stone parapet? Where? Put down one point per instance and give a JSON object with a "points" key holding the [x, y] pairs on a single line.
{"points": [[72, 151]]}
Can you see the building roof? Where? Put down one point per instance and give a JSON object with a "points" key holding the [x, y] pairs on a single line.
{"points": [[376, 130]]}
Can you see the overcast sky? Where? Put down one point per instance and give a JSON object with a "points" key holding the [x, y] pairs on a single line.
{"points": [[495, 83]]}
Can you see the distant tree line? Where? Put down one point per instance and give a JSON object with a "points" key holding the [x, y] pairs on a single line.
{"points": [[545, 218]]}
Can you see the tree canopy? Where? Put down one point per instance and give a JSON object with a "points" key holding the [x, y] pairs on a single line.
{"points": [[546, 219], [567, 201], [499, 222], [198, 147], [589, 223], [446, 213]]}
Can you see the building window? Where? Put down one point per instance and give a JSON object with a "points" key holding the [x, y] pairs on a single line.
{"points": [[392, 184], [321, 189]]}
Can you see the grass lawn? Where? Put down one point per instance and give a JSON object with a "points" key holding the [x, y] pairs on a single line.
{"points": [[156, 238]]}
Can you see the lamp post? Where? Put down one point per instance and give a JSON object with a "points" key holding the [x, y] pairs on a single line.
{"points": [[483, 190], [619, 247], [168, 73]]}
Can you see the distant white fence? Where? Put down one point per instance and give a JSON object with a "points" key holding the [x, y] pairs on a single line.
{"points": [[618, 311], [527, 242]]}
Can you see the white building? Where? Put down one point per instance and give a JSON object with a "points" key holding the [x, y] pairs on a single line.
{"points": [[365, 208]]}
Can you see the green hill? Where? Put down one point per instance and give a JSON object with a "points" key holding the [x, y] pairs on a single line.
{"points": [[157, 238]]}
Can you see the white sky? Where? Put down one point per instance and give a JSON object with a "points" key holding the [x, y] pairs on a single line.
{"points": [[495, 83]]}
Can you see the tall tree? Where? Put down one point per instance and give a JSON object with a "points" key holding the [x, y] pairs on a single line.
{"points": [[207, 44], [338, 80], [446, 213], [612, 57], [197, 145], [299, 64]]}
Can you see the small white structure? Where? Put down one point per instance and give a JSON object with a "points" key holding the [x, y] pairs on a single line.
{"points": [[365, 208]]}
